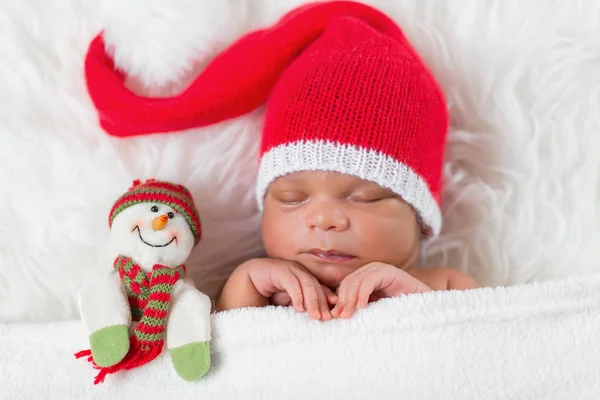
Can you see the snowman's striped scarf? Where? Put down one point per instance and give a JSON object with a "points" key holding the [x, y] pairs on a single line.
{"points": [[149, 297]]}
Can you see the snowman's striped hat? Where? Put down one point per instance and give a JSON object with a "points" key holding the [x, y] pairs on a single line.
{"points": [[176, 196]]}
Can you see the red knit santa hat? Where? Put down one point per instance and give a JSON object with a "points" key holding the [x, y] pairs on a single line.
{"points": [[346, 92]]}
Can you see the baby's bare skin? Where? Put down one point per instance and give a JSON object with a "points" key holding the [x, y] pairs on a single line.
{"points": [[334, 242]]}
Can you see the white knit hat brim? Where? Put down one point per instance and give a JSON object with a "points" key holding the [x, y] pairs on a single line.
{"points": [[362, 163]]}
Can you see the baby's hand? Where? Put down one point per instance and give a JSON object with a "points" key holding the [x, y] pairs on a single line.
{"points": [[284, 299], [375, 279], [286, 282]]}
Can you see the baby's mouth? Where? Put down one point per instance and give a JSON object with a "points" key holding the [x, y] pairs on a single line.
{"points": [[150, 244], [333, 256]]}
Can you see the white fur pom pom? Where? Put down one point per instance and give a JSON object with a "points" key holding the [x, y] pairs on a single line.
{"points": [[162, 44]]}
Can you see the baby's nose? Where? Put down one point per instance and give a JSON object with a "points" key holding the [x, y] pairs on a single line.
{"points": [[327, 218]]}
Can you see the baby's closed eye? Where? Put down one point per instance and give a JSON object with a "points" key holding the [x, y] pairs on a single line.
{"points": [[290, 197], [369, 196]]}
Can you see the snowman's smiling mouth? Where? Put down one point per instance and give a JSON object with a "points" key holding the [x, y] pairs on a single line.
{"points": [[150, 244]]}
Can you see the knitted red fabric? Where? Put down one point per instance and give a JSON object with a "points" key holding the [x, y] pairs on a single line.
{"points": [[357, 88], [223, 90], [346, 92]]}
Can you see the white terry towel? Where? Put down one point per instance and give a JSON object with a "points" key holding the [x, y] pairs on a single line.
{"points": [[537, 341]]}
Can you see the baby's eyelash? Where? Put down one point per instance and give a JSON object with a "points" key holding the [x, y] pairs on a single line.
{"points": [[367, 199], [291, 198]]}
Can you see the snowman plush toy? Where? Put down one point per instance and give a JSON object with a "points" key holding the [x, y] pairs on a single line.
{"points": [[146, 302]]}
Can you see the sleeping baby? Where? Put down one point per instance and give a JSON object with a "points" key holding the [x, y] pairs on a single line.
{"points": [[349, 177]]}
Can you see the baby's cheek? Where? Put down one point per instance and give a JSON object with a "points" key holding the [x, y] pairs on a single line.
{"points": [[280, 234]]}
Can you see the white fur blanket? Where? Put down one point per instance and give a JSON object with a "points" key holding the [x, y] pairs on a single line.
{"points": [[537, 341], [521, 194], [520, 205]]}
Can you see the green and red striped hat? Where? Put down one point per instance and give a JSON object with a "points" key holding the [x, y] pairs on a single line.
{"points": [[176, 196]]}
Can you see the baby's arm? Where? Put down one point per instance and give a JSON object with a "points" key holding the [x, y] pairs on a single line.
{"points": [[239, 291], [444, 278], [254, 283], [459, 280]]}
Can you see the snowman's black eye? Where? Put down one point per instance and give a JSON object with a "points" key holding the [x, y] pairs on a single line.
{"points": [[171, 215], [154, 209]]}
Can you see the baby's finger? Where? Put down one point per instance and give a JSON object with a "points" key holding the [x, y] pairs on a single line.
{"points": [[367, 287], [343, 304], [336, 310], [290, 283], [323, 304], [351, 298], [342, 295], [341, 300], [309, 293], [331, 297]]}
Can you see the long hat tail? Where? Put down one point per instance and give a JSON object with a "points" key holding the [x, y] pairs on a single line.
{"points": [[236, 81]]}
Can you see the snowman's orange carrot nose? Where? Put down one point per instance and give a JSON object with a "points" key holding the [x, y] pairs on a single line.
{"points": [[159, 223]]}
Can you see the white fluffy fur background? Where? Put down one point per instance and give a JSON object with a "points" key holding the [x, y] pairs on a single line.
{"points": [[522, 175]]}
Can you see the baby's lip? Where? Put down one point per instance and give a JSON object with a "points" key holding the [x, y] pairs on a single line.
{"points": [[331, 255]]}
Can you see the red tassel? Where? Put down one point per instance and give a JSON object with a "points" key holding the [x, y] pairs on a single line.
{"points": [[138, 354], [100, 377], [83, 353]]}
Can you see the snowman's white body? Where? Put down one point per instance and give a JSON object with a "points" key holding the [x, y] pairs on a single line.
{"points": [[135, 233]]}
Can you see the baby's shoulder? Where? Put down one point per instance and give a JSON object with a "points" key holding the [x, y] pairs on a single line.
{"points": [[444, 278]]}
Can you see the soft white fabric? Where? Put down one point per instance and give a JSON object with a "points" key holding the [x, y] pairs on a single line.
{"points": [[363, 163], [524, 342], [522, 169], [189, 316], [103, 303], [143, 41], [521, 204]]}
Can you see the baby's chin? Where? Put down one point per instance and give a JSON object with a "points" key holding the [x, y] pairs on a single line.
{"points": [[331, 275]]}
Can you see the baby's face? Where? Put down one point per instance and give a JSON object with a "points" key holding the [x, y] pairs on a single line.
{"points": [[334, 223]]}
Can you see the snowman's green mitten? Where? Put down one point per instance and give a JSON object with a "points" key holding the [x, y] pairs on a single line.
{"points": [[191, 360], [109, 345]]}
